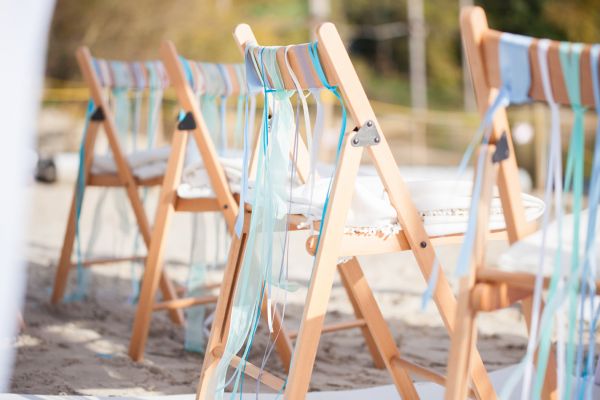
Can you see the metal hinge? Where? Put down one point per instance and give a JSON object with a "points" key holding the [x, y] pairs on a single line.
{"points": [[502, 151], [98, 115], [187, 123], [367, 135]]}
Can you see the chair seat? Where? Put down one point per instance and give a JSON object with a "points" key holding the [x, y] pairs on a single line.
{"points": [[442, 204], [195, 182], [145, 164], [152, 163], [524, 255]]}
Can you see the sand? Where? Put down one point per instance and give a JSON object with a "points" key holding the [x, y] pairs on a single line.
{"points": [[81, 347]]}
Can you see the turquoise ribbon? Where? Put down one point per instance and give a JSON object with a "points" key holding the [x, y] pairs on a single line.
{"points": [[82, 274], [588, 275], [253, 86], [269, 221], [553, 183], [313, 51], [514, 72], [266, 240], [570, 59], [590, 246]]}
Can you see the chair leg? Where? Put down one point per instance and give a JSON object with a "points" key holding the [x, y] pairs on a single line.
{"points": [[377, 329], [220, 326], [153, 275], [464, 339], [447, 307], [549, 390], [283, 343], [310, 332], [311, 326], [353, 296], [64, 263]]}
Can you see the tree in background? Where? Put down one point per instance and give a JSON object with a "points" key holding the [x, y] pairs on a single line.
{"points": [[202, 30], [133, 29]]}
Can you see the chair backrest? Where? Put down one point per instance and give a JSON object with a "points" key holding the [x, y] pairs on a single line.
{"points": [[101, 74], [215, 79], [337, 68], [556, 73], [475, 31], [124, 79], [483, 47], [190, 79], [133, 75]]}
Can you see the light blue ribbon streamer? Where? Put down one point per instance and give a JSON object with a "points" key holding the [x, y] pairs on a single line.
{"points": [[313, 51], [82, 273], [591, 244], [514, 72], [266, 240], [513, 55], [570, 60], [588, 277], [553, 183], [267, 223], [253, 86]]}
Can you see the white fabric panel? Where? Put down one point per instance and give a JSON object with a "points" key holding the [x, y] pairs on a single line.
{"points": [[23, 35], [444, 204], [524, 255], [145, 164]]}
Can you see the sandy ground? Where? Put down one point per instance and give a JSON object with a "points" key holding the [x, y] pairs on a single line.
{"points": [[81, 347]]}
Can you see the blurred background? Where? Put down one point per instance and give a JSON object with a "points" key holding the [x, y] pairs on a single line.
{"points": [[407, 52]]}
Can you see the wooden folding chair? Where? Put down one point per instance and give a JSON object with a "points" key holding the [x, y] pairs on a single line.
{"points": [[123, 178], [335, 242], [486, 288], [224, 201]]}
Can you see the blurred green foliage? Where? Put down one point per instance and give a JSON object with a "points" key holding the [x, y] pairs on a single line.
{"points": [[201, 29]]}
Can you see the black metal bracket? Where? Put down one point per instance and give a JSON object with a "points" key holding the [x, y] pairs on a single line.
{"points": [[367, 135], [98, 115], [502, 151], [187, 123]]}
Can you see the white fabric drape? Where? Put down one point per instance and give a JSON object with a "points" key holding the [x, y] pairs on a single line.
{"points": [[23, 38]]}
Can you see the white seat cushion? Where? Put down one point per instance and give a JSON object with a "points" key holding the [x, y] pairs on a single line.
{"points": [[443, 205], [524, 255], [196, 183], [145, 164]]}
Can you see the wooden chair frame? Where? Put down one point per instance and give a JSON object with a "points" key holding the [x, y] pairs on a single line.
{"points": [[224, 201], [335, 243], [486, 288], [124, 178]]}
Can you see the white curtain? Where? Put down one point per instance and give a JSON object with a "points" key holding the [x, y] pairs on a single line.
{"points": [[23, 38]]}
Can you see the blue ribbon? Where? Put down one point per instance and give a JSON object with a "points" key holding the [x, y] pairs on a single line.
{"points": [[313, 51], [513, 54]]}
